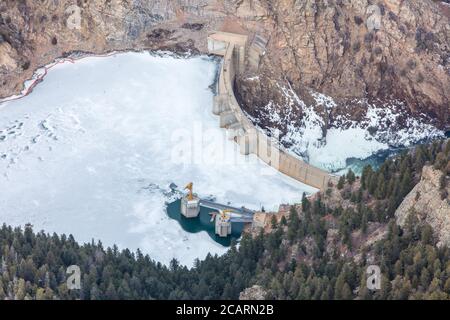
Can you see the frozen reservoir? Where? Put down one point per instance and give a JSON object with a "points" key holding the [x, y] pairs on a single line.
{"points": [[92, 150]]}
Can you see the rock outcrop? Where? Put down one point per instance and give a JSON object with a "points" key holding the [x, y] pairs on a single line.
{"points": [[425, 203], [253, 293]]}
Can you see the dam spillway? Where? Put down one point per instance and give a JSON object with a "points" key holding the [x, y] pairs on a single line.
{"points": [[232, 47]]}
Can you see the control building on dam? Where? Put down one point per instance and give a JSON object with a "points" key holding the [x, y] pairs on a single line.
{"points": [[238, 55]]}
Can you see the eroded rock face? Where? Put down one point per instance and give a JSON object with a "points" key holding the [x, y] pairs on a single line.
{"points": [[358, 52], [424, 202], [361, 53]]}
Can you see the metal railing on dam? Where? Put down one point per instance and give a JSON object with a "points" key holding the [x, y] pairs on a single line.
{"points": [[250, 139]]}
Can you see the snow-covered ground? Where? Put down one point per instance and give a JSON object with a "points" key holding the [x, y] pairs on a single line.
{"points": [[382, 128], [93, 148]]}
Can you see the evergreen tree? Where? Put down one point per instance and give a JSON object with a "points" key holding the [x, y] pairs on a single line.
{"points": [[351, 176], [341, 182]]}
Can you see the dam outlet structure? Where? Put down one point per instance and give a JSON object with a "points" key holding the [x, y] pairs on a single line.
{"points": [[223, 215], [190, 203]]}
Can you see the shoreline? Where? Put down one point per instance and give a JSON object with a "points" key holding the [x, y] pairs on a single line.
{"points": [[75, 56]]}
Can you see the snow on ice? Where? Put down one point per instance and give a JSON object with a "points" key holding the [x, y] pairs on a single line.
{"points": [[78, 154]]}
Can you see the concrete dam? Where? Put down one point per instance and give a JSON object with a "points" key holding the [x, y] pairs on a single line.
{"points": [[236, 54]]}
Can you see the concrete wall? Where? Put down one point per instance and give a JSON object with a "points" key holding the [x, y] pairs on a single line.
{"points": [[256, 50], [250, 139]]}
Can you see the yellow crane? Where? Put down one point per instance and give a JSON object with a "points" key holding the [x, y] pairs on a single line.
{"points": [[190, 187], [224, 214]]}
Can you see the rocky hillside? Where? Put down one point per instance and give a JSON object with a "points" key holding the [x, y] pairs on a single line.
{"points": [[371, 65], [429, 201], [388, 53], [384, 51], [357, 211], [328, 240]]}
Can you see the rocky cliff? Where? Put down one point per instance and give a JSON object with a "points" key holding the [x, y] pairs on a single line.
{"points": [[379, 50], [341, 58], [374, 65], [424, 203]]}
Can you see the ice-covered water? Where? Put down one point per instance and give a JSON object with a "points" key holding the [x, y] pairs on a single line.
{"points": [[93, 148]]}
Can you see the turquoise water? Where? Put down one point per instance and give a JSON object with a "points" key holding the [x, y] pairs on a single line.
{"points": [[203, 223], [375, 160]]}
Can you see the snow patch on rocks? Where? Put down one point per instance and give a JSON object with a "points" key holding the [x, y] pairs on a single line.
{"points": [[319, 136]]}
